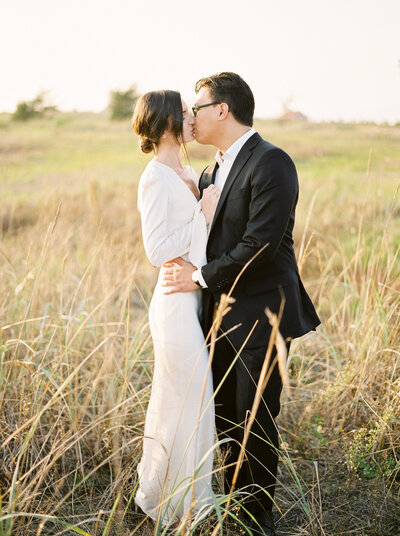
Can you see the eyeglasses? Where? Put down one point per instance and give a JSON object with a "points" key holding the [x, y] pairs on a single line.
{"points": [[196, 108]]}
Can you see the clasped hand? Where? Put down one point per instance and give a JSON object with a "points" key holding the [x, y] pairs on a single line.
{"points": [[178, 278], [209, 202]]}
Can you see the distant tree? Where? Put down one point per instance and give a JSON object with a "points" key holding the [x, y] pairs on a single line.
{"points": [[122, 103], [35, 108]]}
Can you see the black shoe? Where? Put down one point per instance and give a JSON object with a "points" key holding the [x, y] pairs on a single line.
{"points": [[264, 525]]}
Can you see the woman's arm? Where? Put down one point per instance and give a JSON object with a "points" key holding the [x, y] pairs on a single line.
{"points": [[159, 244]]}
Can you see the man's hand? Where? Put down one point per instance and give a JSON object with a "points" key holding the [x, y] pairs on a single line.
{"points": [[178, 278]]}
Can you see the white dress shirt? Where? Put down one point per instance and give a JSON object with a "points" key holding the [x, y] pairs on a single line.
{"points": [[225, 162]]}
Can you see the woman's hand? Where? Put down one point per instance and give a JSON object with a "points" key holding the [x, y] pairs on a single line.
{"points": [[209, 202]]}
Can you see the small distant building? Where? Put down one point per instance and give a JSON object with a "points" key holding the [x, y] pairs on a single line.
{"points": [[291, 115], [288, 114]]}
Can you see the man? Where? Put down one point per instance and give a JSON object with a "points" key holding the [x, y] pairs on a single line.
{"points": [[253, 221]]}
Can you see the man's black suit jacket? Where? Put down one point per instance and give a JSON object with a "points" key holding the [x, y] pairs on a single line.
{"points": [[256, 210]]}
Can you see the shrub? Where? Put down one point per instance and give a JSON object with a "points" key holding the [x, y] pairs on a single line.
{"points": [[122, 103], [35, 108]]}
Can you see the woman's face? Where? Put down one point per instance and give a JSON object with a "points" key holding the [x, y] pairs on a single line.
{"points": [[188, 124]]}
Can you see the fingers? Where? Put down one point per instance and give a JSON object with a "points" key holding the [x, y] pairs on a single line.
{"points": [[169, 282], [211, 192], [169, 289], [213, 195], [209, 201], [171, 272], [179, 261], [168, 277]]}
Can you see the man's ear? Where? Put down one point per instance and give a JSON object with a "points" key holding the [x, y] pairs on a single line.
{"points": [[223, 111]]}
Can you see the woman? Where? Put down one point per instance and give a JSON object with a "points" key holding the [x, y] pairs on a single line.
{"points": [[175, 469]]}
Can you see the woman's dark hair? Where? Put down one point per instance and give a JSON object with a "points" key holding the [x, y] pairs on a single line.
{"points": [[232, 89], [155, 112]]}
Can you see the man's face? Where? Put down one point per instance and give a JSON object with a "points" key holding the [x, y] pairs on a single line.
{"points": [[206, 120]]}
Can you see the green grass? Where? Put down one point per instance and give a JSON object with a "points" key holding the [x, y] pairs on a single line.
{"points": [[75, 352]]}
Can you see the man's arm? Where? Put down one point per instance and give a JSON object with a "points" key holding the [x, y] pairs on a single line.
{"points": [[273, 196]]}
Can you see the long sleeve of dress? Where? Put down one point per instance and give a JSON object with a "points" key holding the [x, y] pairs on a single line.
{"points": [[198, 241], [161, 244]]}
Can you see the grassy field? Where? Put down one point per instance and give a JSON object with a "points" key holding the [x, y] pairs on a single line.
{"points": [[75, 352]]}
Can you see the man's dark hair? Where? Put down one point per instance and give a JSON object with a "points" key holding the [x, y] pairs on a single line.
{"points": [[232, 89]]}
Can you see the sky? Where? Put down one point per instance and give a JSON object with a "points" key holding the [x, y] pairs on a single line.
{"points": [[333, 60]]}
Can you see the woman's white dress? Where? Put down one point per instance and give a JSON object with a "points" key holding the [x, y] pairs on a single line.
{"points": [[177, 460]]}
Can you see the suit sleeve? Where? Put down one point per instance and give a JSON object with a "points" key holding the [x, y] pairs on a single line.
{"points": [[161, 244], [274, 192]]}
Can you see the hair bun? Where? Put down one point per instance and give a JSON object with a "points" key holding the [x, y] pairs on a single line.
{"points": [[146, 145]]}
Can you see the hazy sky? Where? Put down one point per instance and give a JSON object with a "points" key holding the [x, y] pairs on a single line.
{"points": [[336, 60]]}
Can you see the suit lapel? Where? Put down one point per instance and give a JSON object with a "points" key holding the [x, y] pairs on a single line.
{"points": [[244, 154], [208, 177]]}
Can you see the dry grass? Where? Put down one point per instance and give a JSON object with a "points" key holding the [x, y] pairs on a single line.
{"points": [[76, 358]]}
